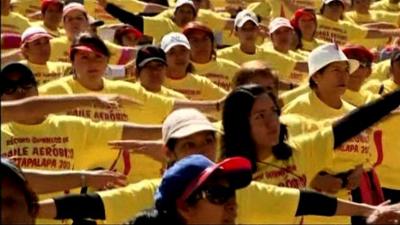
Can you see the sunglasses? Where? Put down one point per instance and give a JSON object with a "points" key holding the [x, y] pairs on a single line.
{"points": [[13, 86], [217, 195]]}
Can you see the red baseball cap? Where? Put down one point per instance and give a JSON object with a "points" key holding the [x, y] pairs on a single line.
{"points": [[132, 30], [46, 3], [85, 48], [354, 50], [34, 33], [306, 13]]}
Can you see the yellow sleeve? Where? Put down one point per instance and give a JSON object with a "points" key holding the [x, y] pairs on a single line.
{"points": [[381, 70], [213, 20], [354, 32], [261, 203], [289, 96], [130, 5], [211, 91], [316, 147], [123, 203], [262, 8], [372, 86], [162, 24], [115, 50], [56, 87], [284, 65]]}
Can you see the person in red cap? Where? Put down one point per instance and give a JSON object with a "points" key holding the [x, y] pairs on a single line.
{"points": [[51, 16], [304, 22], [204, 57], [127, 36]]}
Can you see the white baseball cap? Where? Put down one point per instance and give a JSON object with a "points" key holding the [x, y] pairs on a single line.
{"points": [[72, 7], [329, 1], [174, 39], [34, 33], [243, 16], [277, 23], [180, 3], [326, 54], [185, 122]]}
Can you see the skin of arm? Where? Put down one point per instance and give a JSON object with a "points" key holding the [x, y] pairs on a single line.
{"points": [[43, 181], [375, 33]]}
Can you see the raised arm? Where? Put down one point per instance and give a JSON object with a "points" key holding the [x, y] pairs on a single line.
{"points": [[380, 33], [122, 15], [364, 117], [43, 181]]}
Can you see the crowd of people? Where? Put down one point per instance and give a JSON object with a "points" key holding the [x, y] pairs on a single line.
{"points": [[200, 112]]}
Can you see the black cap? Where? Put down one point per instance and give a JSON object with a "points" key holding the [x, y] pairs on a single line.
{"points": [[149, 53], [16, 67]]}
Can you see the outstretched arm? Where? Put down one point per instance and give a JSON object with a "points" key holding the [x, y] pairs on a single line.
{"points": [[122, 15]]}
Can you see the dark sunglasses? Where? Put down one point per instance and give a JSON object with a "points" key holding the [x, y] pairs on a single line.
{"points": [[12, 86], [217, 195]]}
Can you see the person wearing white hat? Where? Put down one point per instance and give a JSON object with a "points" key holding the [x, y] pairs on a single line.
{"points": [[36, 49], [180, 76], [329, 71]]}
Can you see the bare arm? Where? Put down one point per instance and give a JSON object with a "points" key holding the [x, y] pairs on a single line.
{"points": [[152, 148], [301, 66], [39, 106], [375, 33], [43, 181], [204, 106]]}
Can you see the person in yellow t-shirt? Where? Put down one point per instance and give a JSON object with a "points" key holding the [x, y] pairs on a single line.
{"points": [[246, 29], [151, 70], [304, 22], [179, 77], [281, 35], [76, 20], [332, 28], [185, 11], [51, 11], [28, 8], [204, 58], [12, 22], [258, 203], [390, 84], [387, 5], [35, 47]]}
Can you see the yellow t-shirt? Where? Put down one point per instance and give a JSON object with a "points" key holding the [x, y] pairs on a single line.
{"points": [[359, 98], [381, 70], [48, 72], [60, 50], [354, 152], [163, 25], [341, 31], [310, 45], [98, 12], [195, 87], [282, 64], [166, 92], [14, 23], [258, 203], [386, 6], [55, 33], [26, 7], [289, 96], [378, 87], [219, 71]]}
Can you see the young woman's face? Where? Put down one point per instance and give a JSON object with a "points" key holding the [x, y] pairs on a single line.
{"points": [[201, 45], [184, 14], [38, 51], [266, 82], [178, 57], [248, 33], [334, 79], [307, 26], [14, 208], [202, 142], [75, 22], [53, 14], [208, 211], [153, 74], [282, 38], [356, 79], [18, 88], [264, 122], [89, 65]]}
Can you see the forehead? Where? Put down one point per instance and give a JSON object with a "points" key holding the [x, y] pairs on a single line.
{"points": [[198, 135], [249, 24], [282, 30], [262, 102], [74, 14]]}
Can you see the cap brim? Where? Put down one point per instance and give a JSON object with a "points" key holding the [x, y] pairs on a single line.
{"points": [[86, 49], [144, 62], [237, 170], [241, 23], [36, 37], [176, 44], [192, 129], [276, 28]]}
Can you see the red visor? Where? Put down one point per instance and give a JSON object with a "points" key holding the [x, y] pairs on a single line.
{"points": [[85, 48], [301, 13]]}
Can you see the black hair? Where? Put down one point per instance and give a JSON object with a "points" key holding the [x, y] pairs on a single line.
{"points": [[155, 217], [12, 172], [26, 75], [237, 139], [89, 40]]}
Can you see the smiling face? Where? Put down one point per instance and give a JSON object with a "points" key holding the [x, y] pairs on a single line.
{"points": [[333, 80]]}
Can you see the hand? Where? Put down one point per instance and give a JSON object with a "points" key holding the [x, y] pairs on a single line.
{"points": [[114, 101], [102, 3], [385, 214], [153, 149], [101, 179], [327, 183], [354, 178]]}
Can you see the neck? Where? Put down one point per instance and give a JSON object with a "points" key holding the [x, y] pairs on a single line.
{"points": [[331, 100], [308, 37], [93, 84], [248, 48], [201, 59], [263, 153], [150, 88], [51, 26], [176, 73]]}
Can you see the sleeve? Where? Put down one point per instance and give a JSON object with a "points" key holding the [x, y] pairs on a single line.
{"points": [[161, 23], [123, 203], [116, 52], [284, 65], [263, 204], [316, 147], [125, 16], [213, 20], [354, 32], [213, 92], [372, 86], [130, 5], [53, 88]]}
